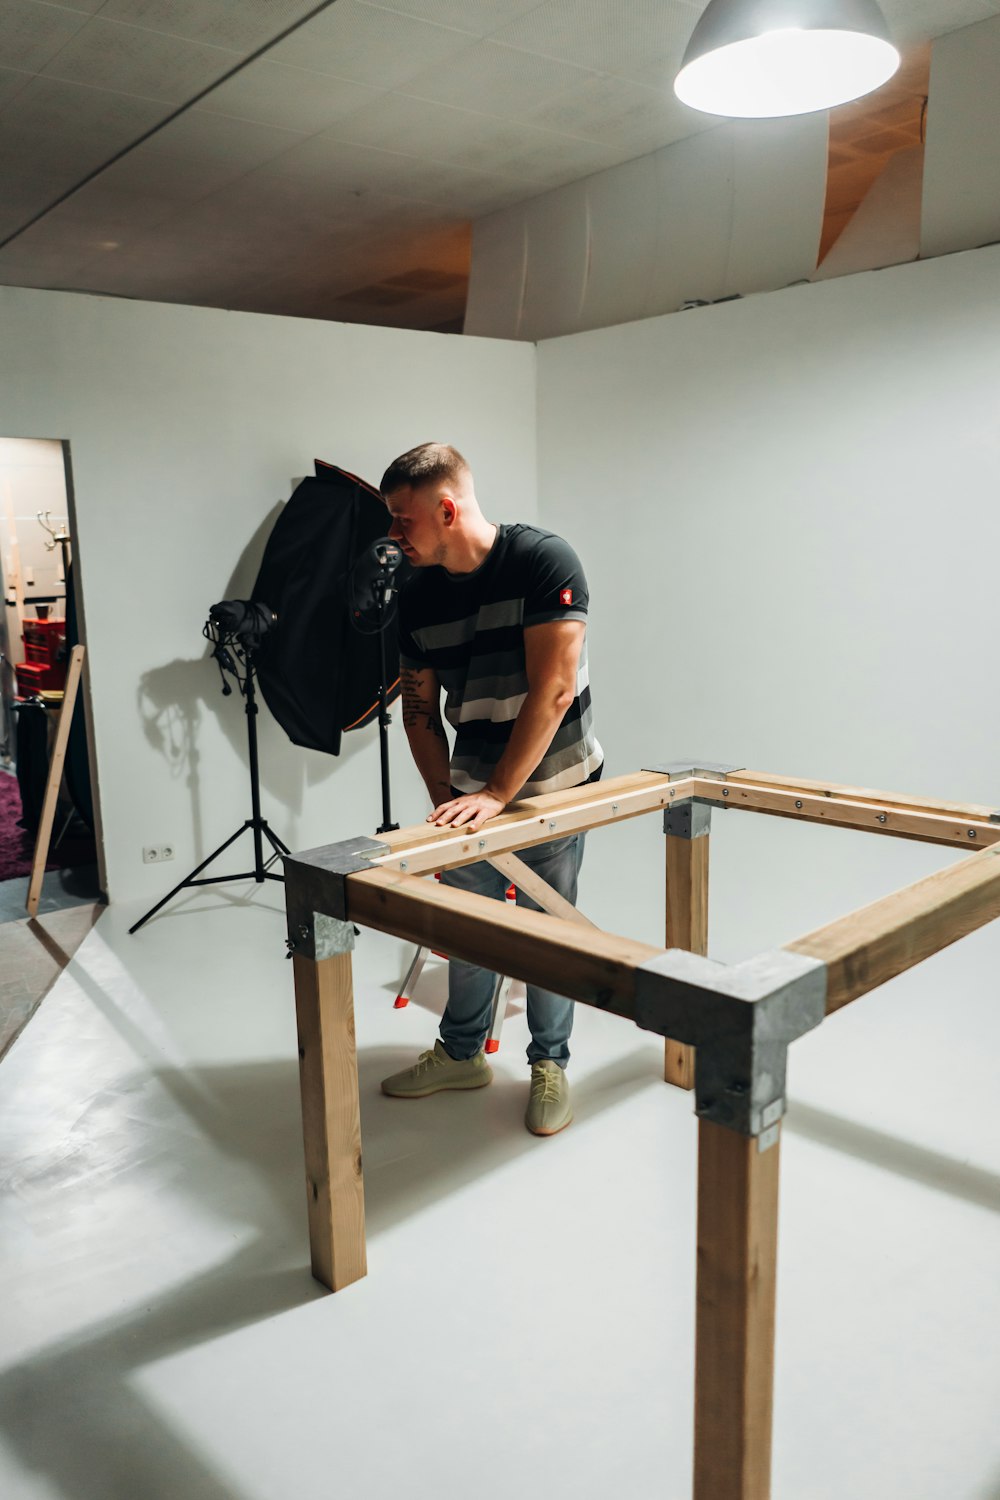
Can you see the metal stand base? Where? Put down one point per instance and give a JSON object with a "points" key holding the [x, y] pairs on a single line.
{"points": [[261, 871]]}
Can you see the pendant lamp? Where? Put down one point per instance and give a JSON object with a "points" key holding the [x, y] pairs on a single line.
{"points": [[763, 58]]}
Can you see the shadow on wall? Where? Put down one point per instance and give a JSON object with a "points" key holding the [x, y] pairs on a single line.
{"points": [[173, 700]]}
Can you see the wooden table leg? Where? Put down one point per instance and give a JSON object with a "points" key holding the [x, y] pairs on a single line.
{"points": [[687, 927], [331, 1118], [734, 1359]]}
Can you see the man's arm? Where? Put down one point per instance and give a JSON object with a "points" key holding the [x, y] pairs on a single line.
{"points": [[552, 655], [425, 731]]}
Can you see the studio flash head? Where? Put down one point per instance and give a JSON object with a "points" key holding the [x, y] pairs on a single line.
{"points": [[246, 621]]}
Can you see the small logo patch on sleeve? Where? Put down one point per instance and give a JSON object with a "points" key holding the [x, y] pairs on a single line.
{"points": [[565, 596]]}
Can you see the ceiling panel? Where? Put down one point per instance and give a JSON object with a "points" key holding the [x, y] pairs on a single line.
{"points": [[443, 133], [197, 154], [12, 83], [55, 134], [496, 80], [275, 94], [82, 123], [27, 193], [480, 18], [242, 25], [920, 20], [32, 34], [610, 37], [109, 55], [369, 45], [621, 114], [322, 164]]}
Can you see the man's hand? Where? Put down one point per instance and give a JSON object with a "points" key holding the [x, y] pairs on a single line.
{"points": [[470, 811]]}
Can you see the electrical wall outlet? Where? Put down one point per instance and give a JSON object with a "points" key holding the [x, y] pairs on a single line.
{"points": [[155, 854]]}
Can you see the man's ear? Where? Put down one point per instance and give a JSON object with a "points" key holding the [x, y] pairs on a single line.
{"points": [[448, 509]]}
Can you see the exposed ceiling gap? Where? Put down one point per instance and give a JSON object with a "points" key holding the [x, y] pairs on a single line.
{"points": [[866, 134]]}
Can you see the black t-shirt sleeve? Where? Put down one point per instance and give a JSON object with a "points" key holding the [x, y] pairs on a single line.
{"points": [[555, 583], [410, 654]]}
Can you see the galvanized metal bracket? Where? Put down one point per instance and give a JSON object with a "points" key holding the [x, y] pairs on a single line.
{"points": [[691, 818], [740, 1019], [710, 769], [316, 895]]}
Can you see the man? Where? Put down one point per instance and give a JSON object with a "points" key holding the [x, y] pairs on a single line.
{"points": [[496, 616]]}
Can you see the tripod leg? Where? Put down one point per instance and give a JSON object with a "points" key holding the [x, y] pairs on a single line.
{"points": [[276, 843], [189, 878]]}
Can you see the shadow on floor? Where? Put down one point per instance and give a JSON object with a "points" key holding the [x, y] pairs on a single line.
{"points": [[929, 1168], [72, 1413]]}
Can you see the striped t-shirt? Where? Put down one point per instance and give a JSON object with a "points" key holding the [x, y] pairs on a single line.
{"points": [[468, 628]]}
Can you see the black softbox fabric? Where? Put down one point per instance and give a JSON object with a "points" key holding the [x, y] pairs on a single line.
{"points": [[319, 676]]}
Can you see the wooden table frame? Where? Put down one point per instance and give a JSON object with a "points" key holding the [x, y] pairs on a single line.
{"points": [[727, 1029]]}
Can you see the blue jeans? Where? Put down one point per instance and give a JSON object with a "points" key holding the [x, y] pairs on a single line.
{"points": [[465, 1024]]}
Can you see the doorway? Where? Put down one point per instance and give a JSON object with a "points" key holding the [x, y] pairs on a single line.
{"points": [[42, 620]]}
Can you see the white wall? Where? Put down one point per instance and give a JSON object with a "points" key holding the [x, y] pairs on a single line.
{"points": [[961, 200], [734, 210], [187, 428], [788, 510]]}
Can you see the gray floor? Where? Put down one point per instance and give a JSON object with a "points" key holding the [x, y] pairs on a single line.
{"points": [[61, 889], [526, 1326]]}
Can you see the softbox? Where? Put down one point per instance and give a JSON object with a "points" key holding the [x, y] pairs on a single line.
{"points": [[318, 675]]}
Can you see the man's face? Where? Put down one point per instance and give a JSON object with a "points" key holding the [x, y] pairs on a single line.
{"points": [[418, 524]]}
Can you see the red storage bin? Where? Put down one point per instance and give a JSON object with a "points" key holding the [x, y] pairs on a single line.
{"points": [[33, 676], [44, 642]]}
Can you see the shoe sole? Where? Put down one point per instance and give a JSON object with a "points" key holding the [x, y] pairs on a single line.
{"points": [[439, 1088], [533, 1131]]}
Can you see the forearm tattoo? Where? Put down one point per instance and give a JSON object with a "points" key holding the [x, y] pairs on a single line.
{"points": [[414, 706], [412, 702]]}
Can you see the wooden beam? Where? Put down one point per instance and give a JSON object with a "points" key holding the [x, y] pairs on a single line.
{"points": [[537, 820], [583, 963], [734, 1346], [331, 1119], [686, 927], [532, 884], [56, 763], [863, 950], [833, 791], [932, 823]]}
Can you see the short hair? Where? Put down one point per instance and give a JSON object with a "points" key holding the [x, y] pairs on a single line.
{"points": [[430, 463]]}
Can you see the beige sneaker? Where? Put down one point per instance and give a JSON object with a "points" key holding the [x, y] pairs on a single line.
{"points": [[434, 1071], [549, 1109]]}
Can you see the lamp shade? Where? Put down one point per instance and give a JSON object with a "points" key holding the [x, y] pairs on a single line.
{"points": [[762, 58]]}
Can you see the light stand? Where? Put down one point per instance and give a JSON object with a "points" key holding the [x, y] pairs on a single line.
{"points": [[261, 870], [384, 717], [373, 584]]}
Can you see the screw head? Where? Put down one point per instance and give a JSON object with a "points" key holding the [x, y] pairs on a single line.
{"points": [[403, 865], [614, 807], [799, 805], [725, 791], [883, 817], [482, 843], [673, 792], [972, 833], [303, 930], [552, 827]]}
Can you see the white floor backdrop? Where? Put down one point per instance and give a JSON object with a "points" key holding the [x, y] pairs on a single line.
{"points": [[526, 1327]]}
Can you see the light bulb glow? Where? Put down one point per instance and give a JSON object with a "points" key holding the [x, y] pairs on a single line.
{"points": [[787, 72]]}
